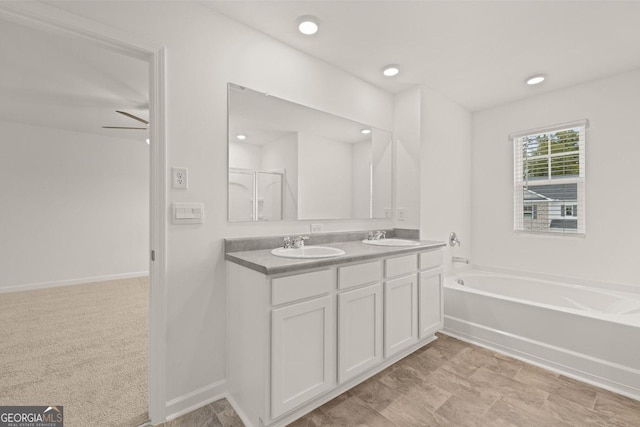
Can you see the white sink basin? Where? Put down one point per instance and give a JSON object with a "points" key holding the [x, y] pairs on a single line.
{"points": [[308, 252], [392, 242]]}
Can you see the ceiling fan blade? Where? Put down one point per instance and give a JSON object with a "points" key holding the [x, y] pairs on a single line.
{"points": [[123, 127], [133, 117]]}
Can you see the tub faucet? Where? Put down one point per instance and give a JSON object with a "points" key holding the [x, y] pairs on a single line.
{"points": [[460, 259]]}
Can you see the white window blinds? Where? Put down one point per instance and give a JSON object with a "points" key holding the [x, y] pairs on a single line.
{"points": [[549, 179]]}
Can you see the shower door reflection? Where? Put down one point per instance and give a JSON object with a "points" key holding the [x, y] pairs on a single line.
{"points": [[255, 195]]}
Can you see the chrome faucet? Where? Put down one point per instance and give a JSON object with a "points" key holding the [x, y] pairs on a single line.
{"points": [[298, 242], [377, 235]]}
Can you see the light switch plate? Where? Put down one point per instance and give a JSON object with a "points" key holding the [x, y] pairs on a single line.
{"points": [[179, 178], [316, 228], [187, 213], [401, 214]]}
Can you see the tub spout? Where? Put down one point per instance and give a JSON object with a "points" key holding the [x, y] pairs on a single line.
{"points": [[460, 259]]}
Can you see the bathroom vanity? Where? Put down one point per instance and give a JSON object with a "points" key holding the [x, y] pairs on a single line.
{"points": [[300, 332]]}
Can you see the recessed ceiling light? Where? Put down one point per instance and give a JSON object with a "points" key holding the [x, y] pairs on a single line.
{"points": [[241, 137], [366, 131], [535, 79], [308, 25], [390, 70]]}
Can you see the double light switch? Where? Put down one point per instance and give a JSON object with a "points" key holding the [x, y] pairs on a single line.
{"points": [[187, 213]]}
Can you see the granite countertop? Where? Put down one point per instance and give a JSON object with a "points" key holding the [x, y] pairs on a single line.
{"points": [[264, 262]]}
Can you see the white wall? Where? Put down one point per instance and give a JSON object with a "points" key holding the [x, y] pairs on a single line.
{"points": [[609, 252], [75, 207], [324, 177], [445, 173], [406, 129], [204, 52], [383, 169], [360, 179], [245, 156], [282, 154]]}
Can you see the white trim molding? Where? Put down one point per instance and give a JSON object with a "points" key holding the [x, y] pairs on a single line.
{"points": [[196, 399], [46, 17], [573, 124], [68, 282]]}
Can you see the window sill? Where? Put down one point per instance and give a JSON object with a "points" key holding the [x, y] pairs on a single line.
{"points": [[550, 234]]}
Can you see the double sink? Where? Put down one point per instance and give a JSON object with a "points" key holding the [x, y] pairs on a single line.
{"points": [[311, 252]]}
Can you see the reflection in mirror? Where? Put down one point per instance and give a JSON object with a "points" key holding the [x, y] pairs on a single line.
{"points": [[291, 162]]}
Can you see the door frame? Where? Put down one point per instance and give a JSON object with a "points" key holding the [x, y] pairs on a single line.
{"points": [[45, 17]]}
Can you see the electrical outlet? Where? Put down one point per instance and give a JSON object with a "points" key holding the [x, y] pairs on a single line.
{"points": [[401, 214], [179, 178], [316, 228], [388, 212]]}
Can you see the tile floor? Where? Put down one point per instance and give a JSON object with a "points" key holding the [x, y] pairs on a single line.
{"points": [[216, 414], [452, 383]]}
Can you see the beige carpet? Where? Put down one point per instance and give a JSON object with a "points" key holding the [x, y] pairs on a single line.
{"points": [[84, 347]]}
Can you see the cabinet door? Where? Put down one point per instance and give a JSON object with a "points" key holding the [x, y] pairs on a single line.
{"points": [[302, 353], [430, 306], [400, 314], [359, 331]]}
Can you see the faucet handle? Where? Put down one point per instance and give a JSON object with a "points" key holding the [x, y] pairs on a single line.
{"points": [[298, 242], [370, 235], [453, 239], [287, 242]]}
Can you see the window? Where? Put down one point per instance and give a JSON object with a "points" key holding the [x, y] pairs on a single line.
{"points": [[530, 211], [549, 179], [569, 210]]}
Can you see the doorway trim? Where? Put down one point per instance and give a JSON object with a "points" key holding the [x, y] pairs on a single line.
{"points": [[46, 17]]}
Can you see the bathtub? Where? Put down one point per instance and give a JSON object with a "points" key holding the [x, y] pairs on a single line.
{"points": [[583, 332]]}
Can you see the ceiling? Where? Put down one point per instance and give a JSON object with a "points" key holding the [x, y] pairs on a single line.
{"points": [[476, 53], [69, 83]]}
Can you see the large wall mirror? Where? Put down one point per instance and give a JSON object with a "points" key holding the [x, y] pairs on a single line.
{"points": [[291, 162]]}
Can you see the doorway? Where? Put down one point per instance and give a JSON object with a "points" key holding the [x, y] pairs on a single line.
{"points": [[77, 220]]}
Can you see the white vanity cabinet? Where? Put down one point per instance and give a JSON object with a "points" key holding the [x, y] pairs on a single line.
{"points": [[303, 338], [302, 353], [400, 303], [295, 340], [430, 298], [360, 334]]}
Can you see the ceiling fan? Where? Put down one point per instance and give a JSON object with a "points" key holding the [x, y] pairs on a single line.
{"points": [[124, 113]]}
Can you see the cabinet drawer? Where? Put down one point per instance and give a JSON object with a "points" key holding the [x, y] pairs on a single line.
{"points": [[401, 265], [430, 260], [299, 286], [359, 274]]}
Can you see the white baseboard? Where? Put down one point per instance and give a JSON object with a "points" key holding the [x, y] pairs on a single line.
{"points": [[84, 280], [619, 379], [196, 399], [245, 419]]}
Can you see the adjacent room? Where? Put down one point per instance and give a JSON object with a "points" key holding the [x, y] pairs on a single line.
{"points": [[320, 213], [74, 288]]}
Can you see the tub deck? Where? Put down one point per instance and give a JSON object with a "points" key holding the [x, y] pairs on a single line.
{"points": [[588, 334]]}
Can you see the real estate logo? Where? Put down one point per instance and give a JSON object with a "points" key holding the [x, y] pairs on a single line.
{"points": [[31, 416]]}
